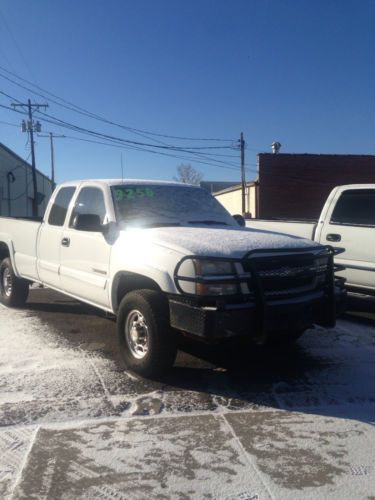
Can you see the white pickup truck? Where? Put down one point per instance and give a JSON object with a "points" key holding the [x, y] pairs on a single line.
{"points": [[347, 221], [167, 258]]}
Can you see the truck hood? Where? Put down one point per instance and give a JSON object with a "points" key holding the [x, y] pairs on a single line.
{"points": [[223, 241]]}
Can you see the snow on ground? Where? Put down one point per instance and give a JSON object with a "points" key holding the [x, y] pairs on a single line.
{"points": [[34, 367], [72, 426]]}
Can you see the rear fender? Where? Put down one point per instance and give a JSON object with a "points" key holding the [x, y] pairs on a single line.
{"points": [[7, 249]]}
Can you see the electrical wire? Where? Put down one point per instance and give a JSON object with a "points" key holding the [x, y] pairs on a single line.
{"points": [[78, 109], [114, 142], [62, 123], [57, 121], [128, 141], [150, 151], [10, 124], [16, 44], [10, 97], [89, 114], [136, 144]]}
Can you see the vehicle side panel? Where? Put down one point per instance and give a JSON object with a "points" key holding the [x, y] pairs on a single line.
{"points": [[21, 237], [300, 229], [49, 248], [358, 242]]}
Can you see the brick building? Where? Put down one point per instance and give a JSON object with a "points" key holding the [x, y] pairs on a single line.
{"points": [[297, 185]]}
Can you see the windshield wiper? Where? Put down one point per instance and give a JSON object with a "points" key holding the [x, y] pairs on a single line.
{"points": [[211, 222]]}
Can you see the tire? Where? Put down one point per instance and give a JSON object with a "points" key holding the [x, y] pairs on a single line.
{"points": [[13, 291], [146, 342]]}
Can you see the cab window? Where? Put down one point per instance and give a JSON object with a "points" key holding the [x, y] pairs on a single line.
{"points": [[90, 201], [355, 207], [60, 206]]}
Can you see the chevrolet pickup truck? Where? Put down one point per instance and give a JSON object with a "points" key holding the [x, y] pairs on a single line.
{"points": [[347, 221], [168, 259]]}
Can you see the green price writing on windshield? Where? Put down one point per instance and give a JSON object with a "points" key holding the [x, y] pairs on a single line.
{"points": [[133, 193]]}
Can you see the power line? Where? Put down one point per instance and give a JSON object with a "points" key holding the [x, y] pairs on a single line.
{"points": [[129, 141], [199, 156], [11, 109], [150, 151], [9, 96], [58, 121], [115, 142], [78, 109], [11, 124], [62, 123], [6, 58], [189, 150], [16, 44], [164, 145]]}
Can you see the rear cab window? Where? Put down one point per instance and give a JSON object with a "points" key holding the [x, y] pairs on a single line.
{"points": [[355, 207], [60, 206]]}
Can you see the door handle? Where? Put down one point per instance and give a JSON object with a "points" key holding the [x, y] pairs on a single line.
{"points": [[65, 242], [333, 237]]}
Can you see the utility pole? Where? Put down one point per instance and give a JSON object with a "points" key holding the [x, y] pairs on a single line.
{"points": [[10, 180], [51, 136], [29, 127], [243, 181]]}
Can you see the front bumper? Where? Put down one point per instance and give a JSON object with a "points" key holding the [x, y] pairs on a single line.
{"points": [[254, 320]]}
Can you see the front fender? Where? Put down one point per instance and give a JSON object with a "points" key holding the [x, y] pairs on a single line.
{"points": [[142, 278], [135, 253]]}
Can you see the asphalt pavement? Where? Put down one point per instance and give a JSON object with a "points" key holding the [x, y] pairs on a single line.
{"points": [[227, 422]]}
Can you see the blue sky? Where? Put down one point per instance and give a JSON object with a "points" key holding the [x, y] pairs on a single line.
{"points": [[296, 71]]}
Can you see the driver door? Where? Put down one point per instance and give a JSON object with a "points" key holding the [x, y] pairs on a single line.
{"points": [[85, 255]]}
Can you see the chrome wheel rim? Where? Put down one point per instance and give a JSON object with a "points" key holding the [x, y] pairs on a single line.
{"points": [[136, 334], [7, 282]]}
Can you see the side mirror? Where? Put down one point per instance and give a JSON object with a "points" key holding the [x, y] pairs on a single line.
{"points": [[88, 222], [239, 219]]}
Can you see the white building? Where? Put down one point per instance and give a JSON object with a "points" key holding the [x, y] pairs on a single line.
{"points": [[231, 199], [16, 186]]}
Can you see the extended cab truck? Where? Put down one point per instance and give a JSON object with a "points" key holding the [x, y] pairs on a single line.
{"points": [[347, 221], [167, 258]]}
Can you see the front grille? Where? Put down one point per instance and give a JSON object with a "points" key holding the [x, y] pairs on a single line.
{"points": [[285, 275]]}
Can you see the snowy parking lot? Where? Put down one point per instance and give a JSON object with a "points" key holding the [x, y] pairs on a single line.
{"points": [[223, 424]]}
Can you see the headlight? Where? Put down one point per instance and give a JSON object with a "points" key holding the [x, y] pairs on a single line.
{"points": [[208, 277], [212, 267], [215, 270]]}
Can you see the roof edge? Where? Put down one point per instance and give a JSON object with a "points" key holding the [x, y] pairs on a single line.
{"points": [[19, 158]]}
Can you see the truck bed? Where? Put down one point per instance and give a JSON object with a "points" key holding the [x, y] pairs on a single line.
{"points": [[24, 238]]}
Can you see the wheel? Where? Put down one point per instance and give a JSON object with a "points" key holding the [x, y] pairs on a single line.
{"points": [[13, 290], [146, 342]]}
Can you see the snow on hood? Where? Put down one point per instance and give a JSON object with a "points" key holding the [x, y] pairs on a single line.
{"points": [[224, 241]]}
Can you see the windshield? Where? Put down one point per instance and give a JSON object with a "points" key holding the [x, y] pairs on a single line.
{"points": [[167, 205]]}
